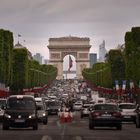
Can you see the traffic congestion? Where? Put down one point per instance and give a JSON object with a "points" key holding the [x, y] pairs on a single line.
{"points": [[67, 103]]}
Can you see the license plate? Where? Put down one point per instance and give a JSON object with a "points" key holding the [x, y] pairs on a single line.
{"points": [[106, 115], [19, 121], [127, 117]]}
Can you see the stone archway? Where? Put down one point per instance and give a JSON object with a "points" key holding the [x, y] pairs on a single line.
{"points": [[78, 47]]}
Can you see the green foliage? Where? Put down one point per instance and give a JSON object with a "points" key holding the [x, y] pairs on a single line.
{"points": [[132, 55], [19, 70], [6, 46], [99, 75], [40, 75], [116, 62]]}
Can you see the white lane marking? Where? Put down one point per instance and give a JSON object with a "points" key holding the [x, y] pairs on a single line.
{"points": [[78, 138], [63, 132], [46, 138], [58, 124]]}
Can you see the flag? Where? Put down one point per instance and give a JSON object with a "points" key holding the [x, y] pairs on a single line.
{"points": [[124, 85], [117, 84], [70, 63]]}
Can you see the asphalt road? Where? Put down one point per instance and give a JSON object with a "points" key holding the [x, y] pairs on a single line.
{"points": [[76, 130]]}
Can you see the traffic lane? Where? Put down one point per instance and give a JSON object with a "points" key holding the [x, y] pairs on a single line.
{"points": [[29, 134], [77, 130]]}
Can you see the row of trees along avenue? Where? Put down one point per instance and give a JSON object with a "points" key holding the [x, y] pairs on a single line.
{"points": [[17, 71], [121, 64]]}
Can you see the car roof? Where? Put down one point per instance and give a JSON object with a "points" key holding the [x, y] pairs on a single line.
{"points": [[105, 104], [21, 96], [126, 104]]}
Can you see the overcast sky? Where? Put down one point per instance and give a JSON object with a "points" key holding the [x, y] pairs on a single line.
{"points": [[38, 20]]}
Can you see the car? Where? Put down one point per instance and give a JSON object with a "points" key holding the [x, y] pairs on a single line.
{"points": [[105, 115], [42, 114], [85, 110], [77, 106], [2, 106], [20, 111], [128, 111], [138, 116], [53, 107]]}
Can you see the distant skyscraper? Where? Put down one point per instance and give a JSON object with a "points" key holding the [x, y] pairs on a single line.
{"points": [[93, 59], [38, 57], [102, 52]]}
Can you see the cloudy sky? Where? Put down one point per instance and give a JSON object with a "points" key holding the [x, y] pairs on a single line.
{"points": [[38, 20]]}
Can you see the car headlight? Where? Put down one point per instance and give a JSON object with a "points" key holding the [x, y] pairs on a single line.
{"points": [[44, 114], [32, 116], [7, 115]]}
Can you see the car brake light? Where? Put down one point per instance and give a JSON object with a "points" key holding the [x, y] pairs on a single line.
{"points": [[116, 114], [96, 114]]}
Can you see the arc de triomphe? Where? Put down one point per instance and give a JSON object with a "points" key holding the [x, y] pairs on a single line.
{"points": [[75, 46]]}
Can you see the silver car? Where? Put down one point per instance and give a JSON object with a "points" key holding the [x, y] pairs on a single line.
{"points": [[128, 111], [42, 114], [85, 110]]}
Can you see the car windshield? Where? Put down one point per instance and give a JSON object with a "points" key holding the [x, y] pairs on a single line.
{"points": [[24, 103], [52, 104], [78, 104], [40, 107], [86, 106], [127, 106], [105, 107]]}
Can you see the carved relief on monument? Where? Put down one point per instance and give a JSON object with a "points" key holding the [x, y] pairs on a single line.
{"points": [[69, 53], [55, 56], [83, 55]]}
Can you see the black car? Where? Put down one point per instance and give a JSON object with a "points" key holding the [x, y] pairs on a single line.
{"points": [[138, 116], [105, 115], [53, 107], [20, 111]]}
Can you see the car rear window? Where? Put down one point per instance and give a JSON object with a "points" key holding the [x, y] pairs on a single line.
{"points": [[105, 107], [24, 103], [78, 104], [127, 106]]}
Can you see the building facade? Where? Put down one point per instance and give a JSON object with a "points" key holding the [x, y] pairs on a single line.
{"points": [[75, 46]]}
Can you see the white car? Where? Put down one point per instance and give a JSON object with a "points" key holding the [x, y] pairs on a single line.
{"points": [[77, 106], [128, 111]]}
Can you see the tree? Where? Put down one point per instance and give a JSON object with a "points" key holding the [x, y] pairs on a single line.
{"points": [[116, 61], [19, 70], [6, 46]]}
